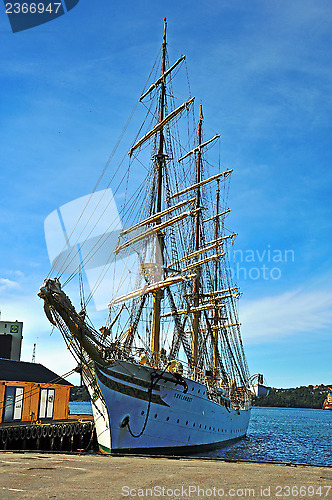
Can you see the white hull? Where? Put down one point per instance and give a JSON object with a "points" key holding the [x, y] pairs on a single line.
{"points": [[100, 413], [177, 422]]}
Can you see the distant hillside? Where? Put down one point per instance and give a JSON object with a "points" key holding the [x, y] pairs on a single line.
{"points": [[300, 397], [78, 393]]}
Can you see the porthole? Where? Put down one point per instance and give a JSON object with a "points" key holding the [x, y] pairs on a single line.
{"points": [[167, 418], [205, 427], [155, 415], [204, 393], [200, 426], [142, 412], [199, 391], [213, 428], [193, 388], [187, 422], [177, 421], [209, 428], [194, 424]]}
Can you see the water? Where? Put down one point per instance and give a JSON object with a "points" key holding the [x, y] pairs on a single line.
{"points": [[297, 435], [80, 408]]}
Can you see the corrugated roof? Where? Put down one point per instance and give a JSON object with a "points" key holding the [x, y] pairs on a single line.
{"points": [[21, 371]]}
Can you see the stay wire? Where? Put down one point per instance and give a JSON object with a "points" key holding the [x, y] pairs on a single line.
{"points": [[101, 177]]}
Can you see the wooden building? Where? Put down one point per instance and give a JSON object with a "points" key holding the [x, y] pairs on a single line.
{"points": [[30, 392]]}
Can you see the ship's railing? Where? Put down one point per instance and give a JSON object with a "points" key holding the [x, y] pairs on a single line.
{"points": [[160, 361], [238, 398]]}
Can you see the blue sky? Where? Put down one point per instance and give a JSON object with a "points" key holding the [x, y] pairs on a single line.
{"points": [[263, 71]]}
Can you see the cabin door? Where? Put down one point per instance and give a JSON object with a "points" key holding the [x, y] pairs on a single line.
{"points": [[13, 404], [46, 403]]}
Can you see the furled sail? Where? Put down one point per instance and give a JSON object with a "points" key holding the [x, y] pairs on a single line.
{"points": [[161, 125]]}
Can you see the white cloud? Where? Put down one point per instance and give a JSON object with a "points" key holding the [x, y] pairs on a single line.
{"points": [[288, 314], [19, 274], [55, 356], [7, 285], [50, 350]]}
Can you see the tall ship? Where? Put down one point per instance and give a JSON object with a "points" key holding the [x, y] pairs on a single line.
{"points": [[167, 372], [327, 405]]}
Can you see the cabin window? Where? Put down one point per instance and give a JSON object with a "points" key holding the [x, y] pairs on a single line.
{"points": [[13, 404], [46, 403]]}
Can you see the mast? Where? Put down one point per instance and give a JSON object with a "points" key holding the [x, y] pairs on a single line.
{"points": [[160, 161], [216, 310], [196, 315]]}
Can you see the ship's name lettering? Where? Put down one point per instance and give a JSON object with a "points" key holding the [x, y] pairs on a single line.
{"points": [[183, 397]]}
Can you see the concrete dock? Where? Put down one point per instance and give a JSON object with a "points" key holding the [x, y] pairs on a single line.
{"points": [[65, 476]]}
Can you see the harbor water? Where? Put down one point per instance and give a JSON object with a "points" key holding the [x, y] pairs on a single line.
{"points": [[296, 435], [80, 408]]}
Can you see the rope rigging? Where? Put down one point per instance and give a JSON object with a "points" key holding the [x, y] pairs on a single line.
{"points": [[196, 317]]}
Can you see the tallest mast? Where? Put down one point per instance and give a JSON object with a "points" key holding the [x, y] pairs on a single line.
{"points": [[196, 315], [160, 161], [160, 155]]}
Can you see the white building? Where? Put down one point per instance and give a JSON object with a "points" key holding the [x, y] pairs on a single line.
{"points": [[11, 339]]}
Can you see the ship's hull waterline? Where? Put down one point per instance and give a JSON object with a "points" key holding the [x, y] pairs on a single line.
{"points": [[173, 421]]}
